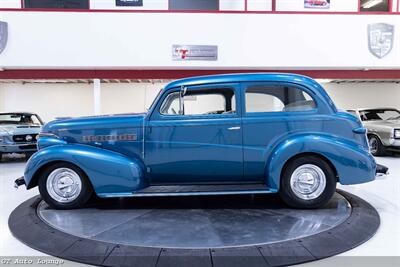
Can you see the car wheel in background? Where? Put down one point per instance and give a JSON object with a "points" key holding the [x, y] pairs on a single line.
{"points": [[375, 146], [64, 186], [307, 182]]}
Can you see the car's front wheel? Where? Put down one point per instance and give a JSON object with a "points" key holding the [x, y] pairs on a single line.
{"points": [[307, 182], [64, 186]]}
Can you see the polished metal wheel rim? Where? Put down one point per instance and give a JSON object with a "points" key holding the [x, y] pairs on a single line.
{"points": [[64, 185], [373, 145], [308, 181]]}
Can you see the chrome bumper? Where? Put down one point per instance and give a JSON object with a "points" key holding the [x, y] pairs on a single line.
{"points": [[17, 148], [394, 142], [381, 170], [18, 182]]}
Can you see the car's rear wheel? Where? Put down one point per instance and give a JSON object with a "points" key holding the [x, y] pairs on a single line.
{"points": [[375, 146], [64, 186], [307, 182]]}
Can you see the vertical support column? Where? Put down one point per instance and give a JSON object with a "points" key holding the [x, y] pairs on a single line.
{"points": [[2, 99], [97, 96]]}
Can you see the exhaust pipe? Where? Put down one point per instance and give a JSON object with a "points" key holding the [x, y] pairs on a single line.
{"points": [[381, 170], [20, 181]]}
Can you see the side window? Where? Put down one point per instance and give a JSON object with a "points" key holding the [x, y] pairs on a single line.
{"points": [[200, 102], [204, 104], [170, 106], [267, 98]]}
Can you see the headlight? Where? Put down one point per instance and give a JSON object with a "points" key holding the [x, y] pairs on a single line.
{"points": [[397, 133]]}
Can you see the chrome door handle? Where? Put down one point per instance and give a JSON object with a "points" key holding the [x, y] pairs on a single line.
{"points": [[234, 128]]}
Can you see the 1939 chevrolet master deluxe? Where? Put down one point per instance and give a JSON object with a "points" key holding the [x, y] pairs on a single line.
{"points": [[225, 134]]}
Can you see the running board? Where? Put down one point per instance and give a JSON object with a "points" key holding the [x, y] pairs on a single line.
{"points": [[188, 190]]}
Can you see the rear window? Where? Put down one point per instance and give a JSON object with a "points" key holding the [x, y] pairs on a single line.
{"points": [[267, 98]]}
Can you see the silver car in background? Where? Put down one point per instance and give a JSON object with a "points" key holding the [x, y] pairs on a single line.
{"points": [[19, 132], [383, 128]]}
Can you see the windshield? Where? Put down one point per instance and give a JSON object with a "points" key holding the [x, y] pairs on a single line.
{"points": [[20, 119], [379, 114]]}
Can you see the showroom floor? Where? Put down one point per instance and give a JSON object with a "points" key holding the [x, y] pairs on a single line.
{"points": [[383, 194]]}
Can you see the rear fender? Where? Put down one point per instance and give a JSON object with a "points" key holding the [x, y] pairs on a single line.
{"points": [[352, 163], [109, 172]]}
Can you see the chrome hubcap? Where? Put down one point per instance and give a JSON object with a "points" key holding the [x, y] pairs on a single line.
{"points": [[308, 181], [373, 145], [64, 185]]}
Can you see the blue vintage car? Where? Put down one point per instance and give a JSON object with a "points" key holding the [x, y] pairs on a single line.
{"points": [[212, 135]]}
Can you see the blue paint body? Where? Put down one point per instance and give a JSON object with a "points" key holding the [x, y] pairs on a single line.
{"points": [[200, 149]]}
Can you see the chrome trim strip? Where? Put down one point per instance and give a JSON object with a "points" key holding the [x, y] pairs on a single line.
{"points": [[14, 145]]}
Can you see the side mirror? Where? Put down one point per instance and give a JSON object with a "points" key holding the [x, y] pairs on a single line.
{"points": [[181, 100]]}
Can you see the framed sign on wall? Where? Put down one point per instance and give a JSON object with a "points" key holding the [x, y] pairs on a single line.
{"points": [[62, 4], [317, 3], [129, 2], [194, 4]]}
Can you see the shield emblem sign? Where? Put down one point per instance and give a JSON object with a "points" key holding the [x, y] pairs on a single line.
{"points": [[380, 39], [3, 35]]}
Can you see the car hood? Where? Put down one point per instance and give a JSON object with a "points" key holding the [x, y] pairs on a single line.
{"points": [[389, 123], [94, 122], [12, 129]]}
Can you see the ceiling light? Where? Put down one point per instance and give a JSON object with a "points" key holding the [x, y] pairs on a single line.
{"points": [[371, 3]]}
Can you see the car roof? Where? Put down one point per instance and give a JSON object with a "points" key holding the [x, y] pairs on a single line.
{"points": [[363, 109], [17, 112], [245, 77]]}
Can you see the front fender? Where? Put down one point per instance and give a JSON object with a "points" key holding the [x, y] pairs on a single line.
{"points": [[352, 163], [108, 171]]}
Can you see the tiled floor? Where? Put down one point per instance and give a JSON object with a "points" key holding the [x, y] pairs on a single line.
{"points": [[383, 194]]}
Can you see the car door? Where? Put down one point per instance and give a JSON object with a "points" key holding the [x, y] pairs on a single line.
{"points": [[271, 113], [200, 144]]}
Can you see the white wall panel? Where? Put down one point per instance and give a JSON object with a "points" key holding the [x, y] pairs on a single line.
{"points": [[364, 95], [336, 6], [259, 5], [59, 100], [147, 5], [51, 100], [10, 4], [144, 40], [48, 100], [234, 5], [128, 97], [395, 5]]}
